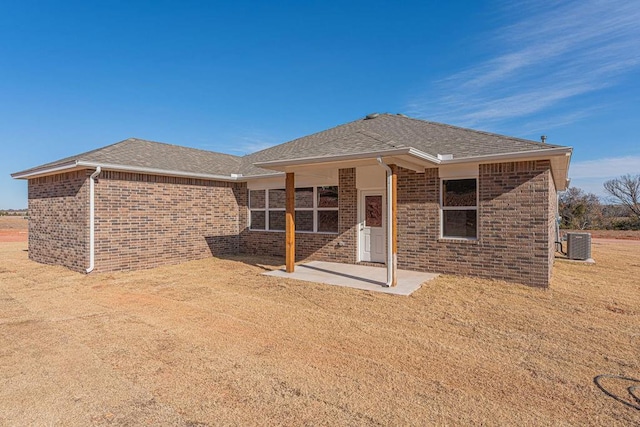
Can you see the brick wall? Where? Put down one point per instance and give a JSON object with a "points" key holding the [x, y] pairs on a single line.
{"points": [[339, 247], [59, 220], [143, 221], [513, 224]]}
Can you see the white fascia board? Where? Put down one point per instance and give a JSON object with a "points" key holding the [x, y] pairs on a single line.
{"points": [[559, 157], [424, 156], [279, 164], [531, 154], [39, 171], [76, 165], [154, 171], [246, 178]]}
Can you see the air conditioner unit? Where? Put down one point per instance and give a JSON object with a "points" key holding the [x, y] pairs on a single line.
{"points": [[579, 246]]}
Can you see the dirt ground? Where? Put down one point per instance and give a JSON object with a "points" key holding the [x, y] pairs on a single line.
{"points": [[213, 342], [13, 229]]}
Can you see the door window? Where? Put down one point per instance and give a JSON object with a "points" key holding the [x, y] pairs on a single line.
{"points": [[373, 211]]}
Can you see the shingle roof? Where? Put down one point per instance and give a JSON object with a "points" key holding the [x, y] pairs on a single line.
{"points": [[140, 153], [387, 131], [380, 133]]}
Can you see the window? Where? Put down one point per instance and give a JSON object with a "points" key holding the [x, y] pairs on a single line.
{"points": [[257, 206], [316, 209], [460, 208], [373, 211], [327, 209]]}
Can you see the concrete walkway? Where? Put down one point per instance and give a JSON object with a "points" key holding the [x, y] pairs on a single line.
{"points": [[356, 276]]}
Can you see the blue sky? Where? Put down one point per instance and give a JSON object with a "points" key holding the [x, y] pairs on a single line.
{"points": [[238, 76]]}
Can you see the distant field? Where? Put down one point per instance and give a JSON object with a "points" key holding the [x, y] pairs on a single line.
{"points": [[614, 234], [214, 342], [13, 223], [13, 229]]}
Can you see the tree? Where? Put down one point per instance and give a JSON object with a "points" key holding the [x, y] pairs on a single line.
{"points": [[626, 190], [579, 210]]}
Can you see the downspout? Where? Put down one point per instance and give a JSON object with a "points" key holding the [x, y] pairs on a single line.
{"points": [[558, 218], [92, 226], [390, 264]]}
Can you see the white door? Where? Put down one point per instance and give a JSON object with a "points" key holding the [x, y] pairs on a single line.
{"points": [[372, 223]]}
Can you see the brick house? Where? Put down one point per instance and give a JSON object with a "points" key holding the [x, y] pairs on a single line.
{"points": [[447, 200]]}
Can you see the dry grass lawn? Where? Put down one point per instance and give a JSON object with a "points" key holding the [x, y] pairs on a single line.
{"points": [[213, 342]]}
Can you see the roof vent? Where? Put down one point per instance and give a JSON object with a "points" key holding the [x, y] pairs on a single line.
{"points": [[543, 138], [445, 156], [371, 116], [401, 115]]}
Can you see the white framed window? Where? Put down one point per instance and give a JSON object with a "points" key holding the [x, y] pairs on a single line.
{"points": [[459, 208], [316, 209]]}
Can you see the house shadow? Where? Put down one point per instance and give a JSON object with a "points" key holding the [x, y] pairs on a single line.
{"points": [[228, 248]]}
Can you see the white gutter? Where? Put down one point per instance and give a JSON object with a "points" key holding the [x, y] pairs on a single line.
{"points": [[46, 170], [278, 164], [274, 164], [424, 156], [92, 226], [154, 171], [530, 154], [79, 164], [391, 257]]}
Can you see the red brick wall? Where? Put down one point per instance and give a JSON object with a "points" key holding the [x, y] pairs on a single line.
{"points": [[143, 221], [513, 224], [339, 247], [59, 220]]}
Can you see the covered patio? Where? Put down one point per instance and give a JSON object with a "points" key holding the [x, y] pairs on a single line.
{"points": [[363, 277], [376, 186]]}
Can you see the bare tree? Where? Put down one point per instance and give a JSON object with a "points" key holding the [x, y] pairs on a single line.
{"points": [[579, 210], [626, 190]]}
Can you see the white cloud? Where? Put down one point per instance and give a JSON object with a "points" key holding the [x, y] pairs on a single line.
{"points": [[250, 145], [591, 185], [590, 175], [553, 52], [605, 168], [241, 144]]}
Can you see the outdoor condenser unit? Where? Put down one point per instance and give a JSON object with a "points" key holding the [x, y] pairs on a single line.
{"points": [[579, 245]]}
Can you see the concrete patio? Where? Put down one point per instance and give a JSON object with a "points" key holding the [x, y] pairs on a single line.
{"points": [[356, 276]]}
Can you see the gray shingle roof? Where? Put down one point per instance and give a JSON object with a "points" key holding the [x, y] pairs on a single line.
{"points": [[384, 132], [140, 153], [388, 131]]}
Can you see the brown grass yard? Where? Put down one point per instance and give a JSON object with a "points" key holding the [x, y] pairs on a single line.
{"points": [[213, 342]]}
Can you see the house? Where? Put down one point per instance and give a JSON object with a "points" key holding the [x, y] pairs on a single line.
{"points": [[447, 199]]}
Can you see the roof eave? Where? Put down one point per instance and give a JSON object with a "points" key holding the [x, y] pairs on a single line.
{"points": [[560, 158], [77, 165], [163, 172], [42, 171], [280, 165], [529, 154]]}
